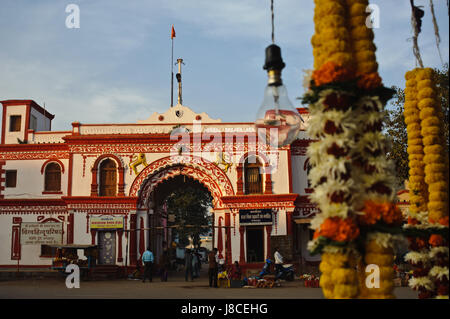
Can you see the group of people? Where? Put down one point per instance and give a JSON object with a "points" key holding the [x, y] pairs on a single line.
{"points": [[214, 265], [192, 263], [148, 260]]}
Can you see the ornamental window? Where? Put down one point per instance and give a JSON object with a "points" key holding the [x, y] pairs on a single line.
{"points": [[253, 179], [52, 178], [108, 178]]}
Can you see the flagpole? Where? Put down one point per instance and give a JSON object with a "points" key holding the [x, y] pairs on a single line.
{"points": [[171, 83]]}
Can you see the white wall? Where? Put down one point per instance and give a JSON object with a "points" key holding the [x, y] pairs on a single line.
{"points": [[30, 181], [11, 137]]}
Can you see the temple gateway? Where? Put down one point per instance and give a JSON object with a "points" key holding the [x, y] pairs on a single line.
{"points": [[102, 184]]}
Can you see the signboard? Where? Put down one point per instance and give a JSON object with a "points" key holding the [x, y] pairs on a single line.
{"points": [[41, 233], [251, 217], [106, 222]]}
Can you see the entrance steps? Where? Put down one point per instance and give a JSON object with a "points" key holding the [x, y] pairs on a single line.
{"points": [[106, 272]]}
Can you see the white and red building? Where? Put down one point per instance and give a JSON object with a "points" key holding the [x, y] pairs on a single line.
{"points": [[119, 170]]}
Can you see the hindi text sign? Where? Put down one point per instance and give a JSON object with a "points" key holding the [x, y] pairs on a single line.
{"points": [[41, 233]]}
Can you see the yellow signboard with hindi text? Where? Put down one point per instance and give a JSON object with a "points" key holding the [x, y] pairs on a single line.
{"points": [[106, 222]]}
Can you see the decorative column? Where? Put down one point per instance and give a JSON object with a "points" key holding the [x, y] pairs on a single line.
{"points": [[268, 182], [268, 231], [242, 247], [119, 240], [289, 222], [94, 184], [121, 185], [219, 238], [141, 239], [228, 255], [70, 228], [240, 181], [93, 233], [133, 240]]}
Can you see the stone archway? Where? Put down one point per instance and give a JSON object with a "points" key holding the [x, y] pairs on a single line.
{"points": [[207, 173]]}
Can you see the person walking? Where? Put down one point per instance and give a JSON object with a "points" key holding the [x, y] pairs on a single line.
{"points": [[165, 265], [147, 259], [188, 265], [195, 263], [278, 261], [213, 268]]}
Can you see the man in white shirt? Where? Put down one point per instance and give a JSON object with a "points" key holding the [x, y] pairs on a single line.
{"points": [[278, 260]]}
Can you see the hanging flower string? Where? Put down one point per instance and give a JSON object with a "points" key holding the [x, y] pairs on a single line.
{"points": [[427, 227], [346, 100]]}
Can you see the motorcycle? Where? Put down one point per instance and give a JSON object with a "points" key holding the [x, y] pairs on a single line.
{"points": [[285, 272], [265, 270]]}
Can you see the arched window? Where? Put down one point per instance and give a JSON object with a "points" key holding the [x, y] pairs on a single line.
{"points": [[253, 180], [108, 178], [52, 178]]}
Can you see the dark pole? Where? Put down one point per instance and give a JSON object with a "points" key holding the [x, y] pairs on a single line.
{"points": [[171, 83]]}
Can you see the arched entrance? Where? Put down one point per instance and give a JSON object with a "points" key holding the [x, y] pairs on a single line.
{"points": [[145, 185], [207, 173], [192, 218]]}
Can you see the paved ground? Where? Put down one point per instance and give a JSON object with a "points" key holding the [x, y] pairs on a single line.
{"points": [[175, 288]]}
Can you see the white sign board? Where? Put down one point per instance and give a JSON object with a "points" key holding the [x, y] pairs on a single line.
{"points": [[41, 233]]}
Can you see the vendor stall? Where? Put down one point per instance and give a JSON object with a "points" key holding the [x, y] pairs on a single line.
{"points": [[68, 254]]}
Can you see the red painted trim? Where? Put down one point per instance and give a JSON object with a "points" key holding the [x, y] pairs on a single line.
{"points": [[51, 132], [259, 198], [18, 148], [93, 233], [70, 228], [268, 232], [290, 173], [52, 160], [2, 179], [32, 202], [163, 124], [99, 200], [133, 240], [3, 124], [32, 103], [15, 243], [240, 180], [289, 222], [228, 239], [27, 123], [52, 192], [242, 245], [119, 239], [70, 177]]}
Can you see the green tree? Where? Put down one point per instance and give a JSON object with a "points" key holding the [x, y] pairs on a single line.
{"points": [[395, 127], [190, 206]]}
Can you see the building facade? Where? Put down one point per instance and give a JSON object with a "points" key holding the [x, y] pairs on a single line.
{"points": [[103, 184]]}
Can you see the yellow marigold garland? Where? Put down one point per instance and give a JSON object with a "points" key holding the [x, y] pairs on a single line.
{"points": [[419, 192], [435, 156]]}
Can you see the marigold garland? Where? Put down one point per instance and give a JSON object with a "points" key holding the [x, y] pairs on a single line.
{"points": [[344, 62], [429, 185]]}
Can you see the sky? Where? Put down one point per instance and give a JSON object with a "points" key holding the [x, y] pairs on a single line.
{"points": [[116, 68]]}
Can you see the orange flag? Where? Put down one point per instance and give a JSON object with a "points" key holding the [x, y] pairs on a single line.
{"points": [[173, 33]]}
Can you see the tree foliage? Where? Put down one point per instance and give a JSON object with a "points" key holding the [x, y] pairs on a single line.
{"points": [[190, 205], [395, 127]]}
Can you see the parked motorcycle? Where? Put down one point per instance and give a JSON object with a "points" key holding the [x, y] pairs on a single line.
{"points": [[285, 272], [266, 269]]}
